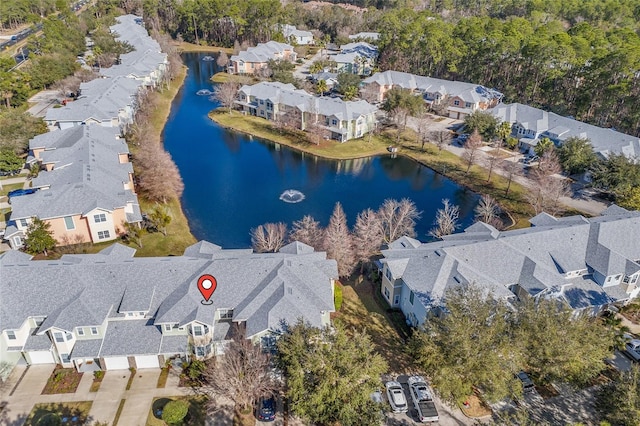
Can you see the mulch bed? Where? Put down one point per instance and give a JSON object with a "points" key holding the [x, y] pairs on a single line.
{"points": [[62, 380]]}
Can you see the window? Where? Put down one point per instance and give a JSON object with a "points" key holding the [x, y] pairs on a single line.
{"points": [[197, 330], [65, 358], [103, 234], [261, 102], [17, 241], [23, 222], [58, 336], [94, 331], [11, 335], [199, 351], [80, 331], [387, 273], [129, 314], [68, 223], [386, 293], [167, 327], [141, 314], [456, 102], [226, 314], [334, 122], [396, 299], [411, 297], [97, 218]]}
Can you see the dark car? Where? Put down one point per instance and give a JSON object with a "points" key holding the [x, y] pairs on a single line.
{"points": [[19, 192], [266, 409], [527, 383]]}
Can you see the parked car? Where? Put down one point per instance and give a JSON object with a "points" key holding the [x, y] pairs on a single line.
{"points": [[531, 159], [527, 383], [632, 349], [396, 397], [422, 397], [266, 411], [19, 192]]}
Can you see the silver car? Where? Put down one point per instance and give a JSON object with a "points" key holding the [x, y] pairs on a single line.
{"points": [[396, 397]]}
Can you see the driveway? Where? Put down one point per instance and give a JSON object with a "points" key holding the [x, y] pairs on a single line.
{"points": [[302, 71]]}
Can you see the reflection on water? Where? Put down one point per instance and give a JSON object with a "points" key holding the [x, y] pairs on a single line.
{"points": [[234, 182]]}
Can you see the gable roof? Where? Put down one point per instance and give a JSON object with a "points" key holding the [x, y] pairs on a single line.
{"points": [[84, 290]]}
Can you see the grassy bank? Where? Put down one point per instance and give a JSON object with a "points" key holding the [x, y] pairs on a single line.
{"points": [[178, 235], [192, 47], [223, 77], [443, 162]]}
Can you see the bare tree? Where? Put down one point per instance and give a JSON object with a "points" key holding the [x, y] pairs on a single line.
{"points": [[269, 238], [223, 59], [422, 130], [441, 138], [510, 170], [471, 148], [307, 230], [338, 241], [367, 236], [158, 176], [242, 374], [226, 93], [442, 107], [491, 161], [446, 219], [488, 211], [548, 188], [397, 218], [400, 115]]}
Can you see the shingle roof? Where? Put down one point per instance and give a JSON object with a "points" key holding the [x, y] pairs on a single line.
{"points": [[263, 52], [84, 290], [536, 258], [604, 141]]}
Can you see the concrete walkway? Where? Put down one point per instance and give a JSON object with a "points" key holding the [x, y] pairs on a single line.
{"points": [[105, 402]]}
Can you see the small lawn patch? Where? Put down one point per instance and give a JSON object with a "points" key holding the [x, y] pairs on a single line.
{"points": [[475, 408], [162, 379], [337, 295], [195, 417], [119, 412], [72, 413], [131, 377], [10, 187], [62, 380], [97, 380]]}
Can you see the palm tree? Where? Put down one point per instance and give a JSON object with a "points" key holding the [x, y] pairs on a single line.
{"points": [[321, 87]]}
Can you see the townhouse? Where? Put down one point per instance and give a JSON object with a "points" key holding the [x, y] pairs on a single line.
{"points": [[340, 120], [530, 125], [460, 98], [111, 311], [586, 264], [356, 58], [296, 36], [112, 100], [252, 60], [85, 190]]}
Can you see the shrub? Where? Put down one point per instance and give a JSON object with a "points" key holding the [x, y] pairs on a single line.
{"points": [[337, 296], [175, 411], [98, 375], [195, 369]]}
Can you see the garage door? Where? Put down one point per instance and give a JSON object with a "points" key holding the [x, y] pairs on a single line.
{"points": [[147, 361], [116, 363], [41, 357]]}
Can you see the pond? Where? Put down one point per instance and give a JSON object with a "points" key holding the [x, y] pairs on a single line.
{"points": [[234, 182]]}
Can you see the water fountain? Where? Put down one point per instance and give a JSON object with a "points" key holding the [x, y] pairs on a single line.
{"points": [[204, 92], [292, 196], [208, 58]]}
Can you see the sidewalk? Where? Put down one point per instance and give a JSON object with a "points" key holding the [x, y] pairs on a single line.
{"points": [[105, 402]]}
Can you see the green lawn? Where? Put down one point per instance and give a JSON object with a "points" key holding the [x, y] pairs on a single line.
{"points": [[223, 77], [195, 417], [59, 410], [8, 188]]}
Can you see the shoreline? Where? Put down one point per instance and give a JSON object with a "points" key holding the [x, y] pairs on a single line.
{"points": [[444, 164]]}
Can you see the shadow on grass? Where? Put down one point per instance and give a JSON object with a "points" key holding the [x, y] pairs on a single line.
{"points": [[71, 413]]}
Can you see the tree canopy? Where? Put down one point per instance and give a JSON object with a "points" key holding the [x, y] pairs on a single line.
{"points": [[39, 237], [331, 374]]}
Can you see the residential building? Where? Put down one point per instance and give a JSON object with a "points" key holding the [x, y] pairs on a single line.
{"points": [[330, 78], [368, 36], [252, 60], [355, 58], [86, 189], [113, 311], [530, 125], [341, 120], [461, 98], [584, 263], [296, 36]]}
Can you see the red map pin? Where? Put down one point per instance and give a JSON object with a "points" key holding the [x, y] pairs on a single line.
{"points": [[207, 285]]}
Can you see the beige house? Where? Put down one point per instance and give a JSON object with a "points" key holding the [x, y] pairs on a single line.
{"points": [[461, 98], [85, 190], [252, 60]]}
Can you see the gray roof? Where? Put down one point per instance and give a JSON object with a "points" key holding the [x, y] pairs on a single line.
{"points": [[84, 290], [559, 128], [287, 94], [537, 258], [469, 92], [174, 344], [86, 348], [291, 30], [263, 52], [87, 174], [365, 35], [131, 337], [361, 48], [37, 342]]}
